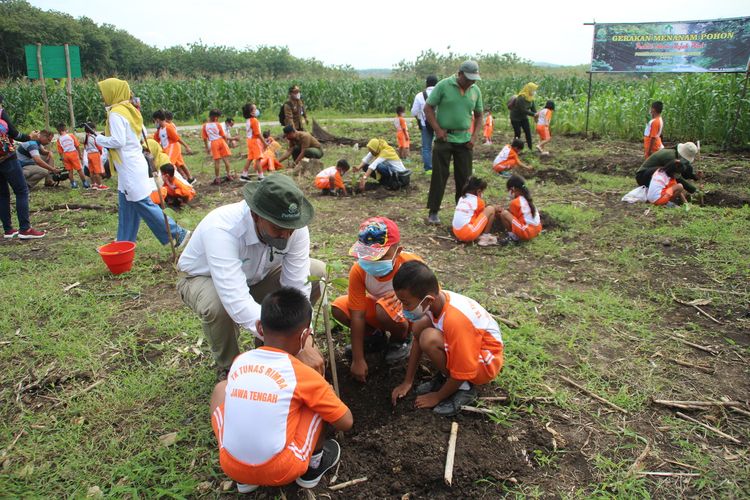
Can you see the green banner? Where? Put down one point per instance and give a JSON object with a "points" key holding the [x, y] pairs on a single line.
{"points": [[719, 46], [53, 61]]}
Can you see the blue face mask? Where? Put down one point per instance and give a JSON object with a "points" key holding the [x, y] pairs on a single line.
{"points": [[377, 268], [415, 314]]}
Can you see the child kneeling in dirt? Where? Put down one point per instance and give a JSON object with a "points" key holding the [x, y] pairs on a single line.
{"points": [[461, 339], [521, 220], [508, 159], [267, 415], [473, 220], [370, 307], [664, 188], [178, 191], [331, 180]]}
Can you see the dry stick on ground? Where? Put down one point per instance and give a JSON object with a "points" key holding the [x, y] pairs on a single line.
{"points": [[451, 455], [695, 306], [705, 369], [668, 474], [593, 395], [708, 427], [74, 206], [696, 346], [341, 486], [474, 409], [638, 464], [698, 404]]}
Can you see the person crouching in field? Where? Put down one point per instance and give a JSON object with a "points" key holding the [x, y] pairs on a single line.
{"points": [[178, 192], [460, 338], [70, 153], [255, 143], [543, 120], [268, 161], [213, 133], [331, 180], [521, 220], [268, 415], [232, 140], [382, 158], [473, 220], [508, 159], [664, 188], [402, 133]]}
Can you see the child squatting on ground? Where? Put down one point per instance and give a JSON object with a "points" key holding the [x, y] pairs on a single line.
{"points": [[508, 159], [473, 220], [370, 308], [213, 134], [268, 415], [664, 188], [460, 338], [654, 129], [543, 121], [521, 220], [331, 180], [70, 153]]}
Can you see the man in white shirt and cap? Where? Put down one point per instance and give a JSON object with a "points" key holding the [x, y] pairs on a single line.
{"points": [[241, 252]]}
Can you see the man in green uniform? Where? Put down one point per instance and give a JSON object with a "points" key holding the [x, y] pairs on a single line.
{"points": [[685, 152]]}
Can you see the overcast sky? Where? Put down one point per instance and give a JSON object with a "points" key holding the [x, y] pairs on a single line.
{"points": [[380, 34]]}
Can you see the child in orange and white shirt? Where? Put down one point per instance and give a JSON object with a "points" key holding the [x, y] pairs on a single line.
{"points": [[166, 134], [654, 128], [461, 339], [255, 144], [177, 192], [213, 133], [543, 120], [232, 140], [268, 415], [70, 152], [664, 188], [402, 133], [268, 161], [330, 180], [473, 220], [489, 127], [93, 154], [508, 158], [521, 220]]}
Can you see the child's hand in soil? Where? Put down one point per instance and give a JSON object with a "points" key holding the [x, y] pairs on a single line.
{"points": [[429, 400], [359, 370], [400, 391]]}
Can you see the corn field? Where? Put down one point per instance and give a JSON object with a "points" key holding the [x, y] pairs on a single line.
{"points": [[696, 106]]}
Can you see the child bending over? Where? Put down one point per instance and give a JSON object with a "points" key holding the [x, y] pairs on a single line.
{"points": [[178, 192], [508, 159], [473, 220], [331, 181], [521, 220], [664, 188], [460, 338]]}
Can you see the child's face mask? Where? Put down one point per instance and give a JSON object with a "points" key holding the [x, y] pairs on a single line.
{"points": [[510, 194], [256, 113], [377, 268], [418, 312]]}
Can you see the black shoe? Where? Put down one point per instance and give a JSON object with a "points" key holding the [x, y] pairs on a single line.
{"points": [[221, 374], [452, 405], [398, 351], [331, 455], [432, 385], [372, 343]]}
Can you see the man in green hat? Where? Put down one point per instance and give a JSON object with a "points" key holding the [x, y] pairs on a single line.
{"points": [[241, 252]]}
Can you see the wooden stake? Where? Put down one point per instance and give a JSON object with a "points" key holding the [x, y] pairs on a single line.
{"points": [[708, 427], [450, 456], [346, 484], [593, 395], [44, 85], [69, 86], [329, 340]]}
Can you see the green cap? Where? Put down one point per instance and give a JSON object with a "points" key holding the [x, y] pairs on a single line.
{"points": [[470, 69], [278, 199]]}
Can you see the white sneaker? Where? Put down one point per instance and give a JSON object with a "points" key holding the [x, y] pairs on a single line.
{"points": [[246, 488], [487, 239]]}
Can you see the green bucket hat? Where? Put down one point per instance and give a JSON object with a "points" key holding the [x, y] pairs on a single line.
{"points": [[278, 199]]}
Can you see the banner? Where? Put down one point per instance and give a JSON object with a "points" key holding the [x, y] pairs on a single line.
{"points": [[53, 61], [719, 46]]}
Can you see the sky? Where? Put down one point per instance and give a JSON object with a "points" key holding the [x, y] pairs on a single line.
{"points": [[380, 34]]}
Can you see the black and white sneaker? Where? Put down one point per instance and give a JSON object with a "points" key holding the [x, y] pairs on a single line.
{"points": [[432, 385], [331, 455], [398, 351], [372, 344], [452, 405]]}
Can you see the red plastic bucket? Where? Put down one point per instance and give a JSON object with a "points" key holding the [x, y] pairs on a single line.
{"points": [[118, 256]]}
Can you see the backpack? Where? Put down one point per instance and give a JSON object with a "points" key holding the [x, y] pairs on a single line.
{"points": [[282, 116], [512, 102], [7, 148]]}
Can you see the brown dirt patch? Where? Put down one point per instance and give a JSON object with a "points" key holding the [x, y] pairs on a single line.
{"points": [[555, 175], [725, 199]]}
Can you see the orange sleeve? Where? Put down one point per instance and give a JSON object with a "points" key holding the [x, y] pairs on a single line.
{"points": [[172, 135], [221, 131], [515, 208], [255, 126], [357, 291], [156, 135], [183, 190], [653, 130], [204, 134], [339, 181], [316, 393], [59, 148], [463, 345], [75, 140], [512, 157]]}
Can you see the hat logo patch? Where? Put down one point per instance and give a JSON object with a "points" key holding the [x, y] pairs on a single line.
{"points": [[292, 212]]}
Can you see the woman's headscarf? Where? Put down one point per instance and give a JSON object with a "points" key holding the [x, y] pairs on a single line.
{"points": [[381, 149], [528, 91], [160, 157], [116, 94]]}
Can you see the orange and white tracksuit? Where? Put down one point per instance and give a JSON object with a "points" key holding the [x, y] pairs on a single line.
{"points": [[67, 146], [323, 179], [402, 132], [272, 417], [254, 139], [661, 188], [525, 224], [544, 118], [268, 157], [179, 189], [472, 340], [169, 139], [652, 135], [489, 127], [506, 159], [214, 132], [469, 220], [93, 155]]}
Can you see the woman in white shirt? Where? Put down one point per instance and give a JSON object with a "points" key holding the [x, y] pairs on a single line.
{"points": [[134, 185]]}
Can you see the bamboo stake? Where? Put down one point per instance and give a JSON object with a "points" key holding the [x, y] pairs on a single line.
{"points": [[450, 456], [45, 100], [329, 340], [593, 395], [708, 427], [69, 86], [346, 484]]}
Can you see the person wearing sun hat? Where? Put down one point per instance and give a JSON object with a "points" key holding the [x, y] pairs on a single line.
{"points": [[685, 152], [370, 308], [241, 252]]}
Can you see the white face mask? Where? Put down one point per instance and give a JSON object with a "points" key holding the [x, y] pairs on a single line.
{"points": [[510, 194], [256, 113]]}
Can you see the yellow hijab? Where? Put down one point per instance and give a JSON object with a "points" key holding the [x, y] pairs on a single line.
{"points": [[116, 94], [160, 157], [528, 91], [381, 149]]}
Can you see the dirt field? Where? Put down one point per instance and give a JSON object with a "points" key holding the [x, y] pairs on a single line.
{"points": [[633, 303]]}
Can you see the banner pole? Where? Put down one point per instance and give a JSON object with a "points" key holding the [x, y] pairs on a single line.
{"points": [[69, 87], [732, 130], [588, 104], [44, 86]]}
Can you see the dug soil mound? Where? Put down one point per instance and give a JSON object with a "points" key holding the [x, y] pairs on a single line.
{"points": [[324, 136], [724, 199], [625, 165], [549, 223], [552, 175]]}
